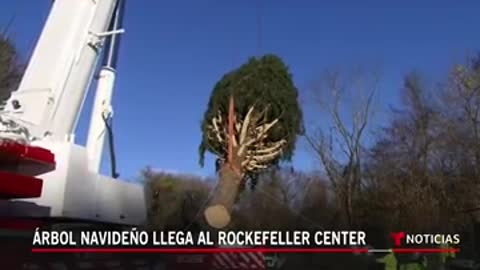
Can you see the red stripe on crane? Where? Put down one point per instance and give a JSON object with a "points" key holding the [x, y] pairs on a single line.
{"points": [[14, 150], [19, 186]]}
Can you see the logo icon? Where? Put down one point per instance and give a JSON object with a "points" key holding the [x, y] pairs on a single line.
{"points": [[397, 238]]}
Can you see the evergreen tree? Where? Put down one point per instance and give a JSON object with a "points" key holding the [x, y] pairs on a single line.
{"points": [[251, 123]]}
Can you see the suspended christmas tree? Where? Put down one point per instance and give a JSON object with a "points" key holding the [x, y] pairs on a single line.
{"points": [[251, 123]]}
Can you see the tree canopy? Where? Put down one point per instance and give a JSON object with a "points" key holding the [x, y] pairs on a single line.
{"points": [[266, 84]]}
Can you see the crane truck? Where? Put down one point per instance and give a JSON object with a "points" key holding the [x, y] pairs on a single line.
{"points": [[46, 178]]}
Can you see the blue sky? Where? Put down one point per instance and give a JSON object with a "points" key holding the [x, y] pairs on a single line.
{"points": [[174, 52]]}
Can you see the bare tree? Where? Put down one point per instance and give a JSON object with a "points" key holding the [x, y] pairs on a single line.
{"points": [[461, 115], [284, 199], [412, 166], [339, 147], [10, 69], [174, 201]]}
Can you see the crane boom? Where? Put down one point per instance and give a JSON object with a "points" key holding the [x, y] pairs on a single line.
{"points": [[51, 94]]}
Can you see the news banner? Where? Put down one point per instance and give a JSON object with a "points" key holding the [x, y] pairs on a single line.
{"points": [[140, 241]]}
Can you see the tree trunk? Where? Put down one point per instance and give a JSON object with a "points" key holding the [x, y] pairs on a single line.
{"points": [[349, 206], [218, 213]]}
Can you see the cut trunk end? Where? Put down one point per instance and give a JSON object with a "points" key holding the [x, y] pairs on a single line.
{"points": [[217, 216], [218, 212]]}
